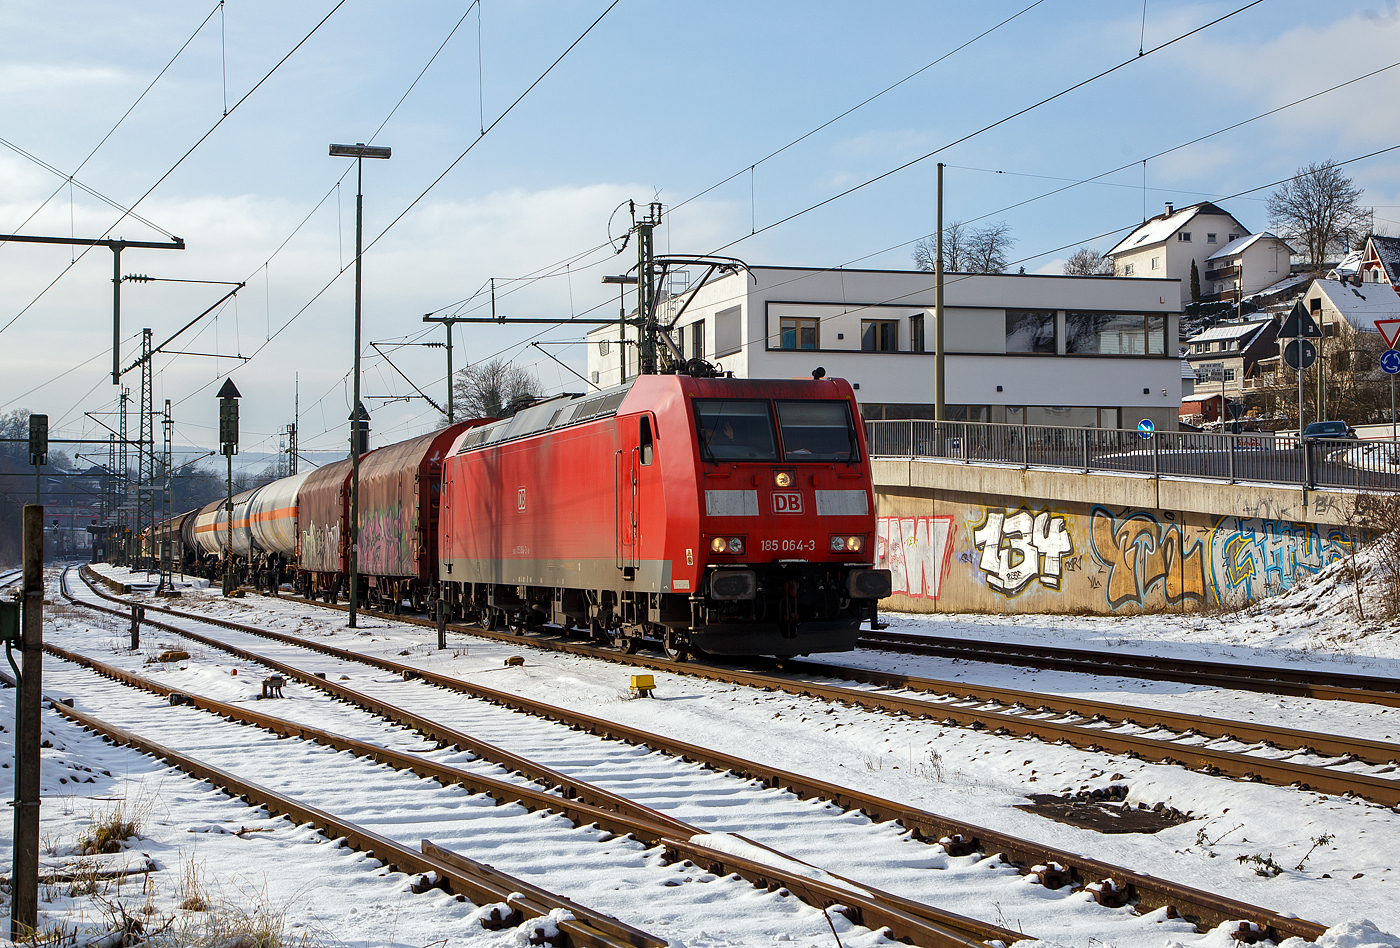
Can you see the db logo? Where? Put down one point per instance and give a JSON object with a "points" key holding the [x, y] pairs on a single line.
{"points": [[521, 505], [787, 502]]}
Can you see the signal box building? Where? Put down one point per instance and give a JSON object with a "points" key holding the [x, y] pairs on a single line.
{"points": [[1099, 352]]}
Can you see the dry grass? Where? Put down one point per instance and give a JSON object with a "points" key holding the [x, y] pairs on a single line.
{"points": [[190, 889], [110, 828]]}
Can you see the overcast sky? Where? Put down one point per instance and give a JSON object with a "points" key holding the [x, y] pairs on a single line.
{"points": [[661, 101]]}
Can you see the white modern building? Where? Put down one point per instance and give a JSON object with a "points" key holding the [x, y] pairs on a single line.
{"points": [[1022, 349]]}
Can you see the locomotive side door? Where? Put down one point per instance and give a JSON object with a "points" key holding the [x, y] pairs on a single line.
{"points": [[634, 458]]}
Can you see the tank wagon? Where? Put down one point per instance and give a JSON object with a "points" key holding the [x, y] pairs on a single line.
{"points": [[720, 515]]}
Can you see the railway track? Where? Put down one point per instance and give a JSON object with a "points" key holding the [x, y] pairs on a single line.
{"points": [[862, 904], [514, 899], [1145, 891], [1236, 749], [1310, 683]]}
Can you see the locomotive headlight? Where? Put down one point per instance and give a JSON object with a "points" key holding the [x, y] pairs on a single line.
{"points": [[847, 544], [783, 478], [732, 545]]}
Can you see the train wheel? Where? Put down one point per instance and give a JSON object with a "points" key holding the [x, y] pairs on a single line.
{"points": [[628, 644], [494, 620], [675, 647]]}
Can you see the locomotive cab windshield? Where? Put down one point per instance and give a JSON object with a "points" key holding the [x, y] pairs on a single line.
{"points": [[742, 430], [736, 429]]}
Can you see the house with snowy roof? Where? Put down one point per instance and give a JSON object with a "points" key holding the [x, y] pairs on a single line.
{"points": [[1380, 261], [1249, 264], [1226, 358], [1344, 309], [1167, 245]]}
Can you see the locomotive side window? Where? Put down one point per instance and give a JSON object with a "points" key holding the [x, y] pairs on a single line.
{"points": [[817, 431], [644, 438], [734, 430]]}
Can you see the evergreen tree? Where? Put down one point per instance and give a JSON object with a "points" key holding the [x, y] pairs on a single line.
{"points": [[1195, 283]]}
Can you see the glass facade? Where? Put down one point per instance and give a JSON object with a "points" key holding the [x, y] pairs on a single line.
{"points": [[1030, 330], [1127, 334]]}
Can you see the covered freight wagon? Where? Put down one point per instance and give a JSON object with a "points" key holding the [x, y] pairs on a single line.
{"points": [[323, 526], [400, 488]]}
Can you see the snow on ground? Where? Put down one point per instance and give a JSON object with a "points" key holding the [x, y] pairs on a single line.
{"points": [[973, 776]]}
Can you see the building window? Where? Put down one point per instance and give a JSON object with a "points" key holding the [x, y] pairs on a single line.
{"points": [[1030, 330], [1127, 269], [916, 333], [697, 339], [1210, 238], [798, 333], [1131, 334], [1156, 263], [1229, 375], [1184, 236], [1233, 238], [604, 346], [879, 335], [595, 378], [729, 331]]}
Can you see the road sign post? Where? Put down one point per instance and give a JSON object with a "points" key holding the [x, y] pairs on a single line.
{"points": [[1300, 327], [1390, 364]]}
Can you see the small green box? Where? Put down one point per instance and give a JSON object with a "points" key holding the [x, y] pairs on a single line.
{"points": [[9, 620]]}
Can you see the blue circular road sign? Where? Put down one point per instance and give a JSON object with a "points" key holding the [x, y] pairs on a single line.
{"points": [[1145, 428], [1390, 361]]}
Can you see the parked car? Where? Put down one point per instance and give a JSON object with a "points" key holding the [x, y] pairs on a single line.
{"points": [[1320, 430]]}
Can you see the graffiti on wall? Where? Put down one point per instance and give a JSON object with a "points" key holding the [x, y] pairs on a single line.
{"points": [[1144, 556], [1257, 558], [916, 551], [1019, 547]]}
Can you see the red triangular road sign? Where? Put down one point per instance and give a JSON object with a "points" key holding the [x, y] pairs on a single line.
{"points": [[1389, 330]]}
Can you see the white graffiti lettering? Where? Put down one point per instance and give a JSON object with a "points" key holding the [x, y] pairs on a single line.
{"points": [[1019, 547], [916, 551]]}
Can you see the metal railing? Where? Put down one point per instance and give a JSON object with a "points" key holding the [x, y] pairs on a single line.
{"points": [[1257, 457]]}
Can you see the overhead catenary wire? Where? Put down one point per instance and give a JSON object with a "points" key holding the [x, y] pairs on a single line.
{"points": [[111, 131], [319, 293], [181, 160], [986, 128]]}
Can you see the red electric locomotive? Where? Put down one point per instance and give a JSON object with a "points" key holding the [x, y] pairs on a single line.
{"points": [[722, 515]]}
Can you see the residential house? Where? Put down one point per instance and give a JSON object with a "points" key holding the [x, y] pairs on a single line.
{"points": [[1380, 261], [1229, 359], [1252, 263], [1020, 348], [1167, 245]]}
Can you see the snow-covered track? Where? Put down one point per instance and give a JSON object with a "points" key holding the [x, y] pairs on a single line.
{"points": [[921, 924], [482, 884], [1147, 892], [1307, 683], [1113, 728]]}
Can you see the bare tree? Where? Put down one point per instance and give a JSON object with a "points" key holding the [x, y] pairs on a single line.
{"points": [[988, 249], [1318, 208], [1088, 262], [492, 389], [956, 235], [967, 249]]}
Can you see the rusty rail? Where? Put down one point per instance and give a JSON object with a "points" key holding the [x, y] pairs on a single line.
{"points": [[588, 928], [921, 923], [1206, 909], [1309, 683]]}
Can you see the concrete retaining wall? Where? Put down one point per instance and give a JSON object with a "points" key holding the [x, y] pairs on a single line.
{"points": [[970, 538]]}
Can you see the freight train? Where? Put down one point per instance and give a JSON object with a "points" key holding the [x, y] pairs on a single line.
{"points": [[711, 515]]}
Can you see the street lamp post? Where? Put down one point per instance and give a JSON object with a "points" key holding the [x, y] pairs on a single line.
{"points": [[359, 152]]}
